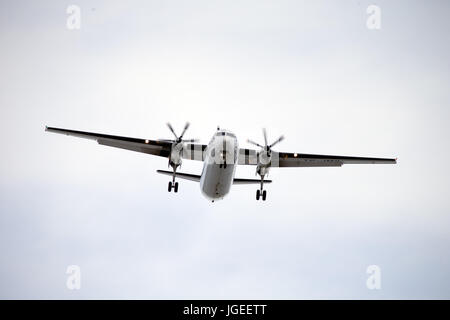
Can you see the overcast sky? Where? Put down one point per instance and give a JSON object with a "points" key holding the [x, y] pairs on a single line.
{"points": [[310, 70]]}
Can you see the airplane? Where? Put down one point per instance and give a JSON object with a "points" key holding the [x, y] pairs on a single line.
{"points": [[220, 156]]}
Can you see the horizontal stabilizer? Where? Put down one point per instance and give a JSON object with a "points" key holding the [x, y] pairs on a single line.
{"points": [[187, 176], [250, 181], [195, 177]]}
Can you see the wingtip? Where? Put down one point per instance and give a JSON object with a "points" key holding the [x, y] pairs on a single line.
{"points": [[46, 128]]}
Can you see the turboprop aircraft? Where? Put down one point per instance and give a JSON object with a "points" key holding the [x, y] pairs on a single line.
{"points": [[220, 156]]}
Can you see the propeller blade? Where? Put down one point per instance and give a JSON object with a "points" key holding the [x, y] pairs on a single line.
{"points": [[186, 126], [265, 136], [277, 141], [254, 143], [171, 129]]}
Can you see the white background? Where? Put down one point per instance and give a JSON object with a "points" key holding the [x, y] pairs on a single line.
{"points": [[310, 70]]}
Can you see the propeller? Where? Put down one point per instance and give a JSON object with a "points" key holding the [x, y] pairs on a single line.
{"points": [[267, 147], [179, 139]]}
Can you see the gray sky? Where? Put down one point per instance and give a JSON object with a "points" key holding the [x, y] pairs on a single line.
{"points": [[310, 70]]}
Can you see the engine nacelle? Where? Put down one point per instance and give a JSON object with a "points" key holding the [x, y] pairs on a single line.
{"points": [[176, 152], [262, 170], [264, 161]]}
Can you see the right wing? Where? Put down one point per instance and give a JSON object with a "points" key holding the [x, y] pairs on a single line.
{"points": [[154, 147], [194, 151], [160, 148]]}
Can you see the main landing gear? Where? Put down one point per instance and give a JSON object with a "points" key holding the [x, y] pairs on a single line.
{"points": [[173, 186], [261, 193]]}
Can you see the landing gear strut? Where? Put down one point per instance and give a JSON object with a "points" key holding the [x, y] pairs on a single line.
{"points": [[261, 192], [176, 151], [172, 184]]}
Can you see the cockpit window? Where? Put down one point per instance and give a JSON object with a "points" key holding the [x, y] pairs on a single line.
{"points": [[223, 133]]}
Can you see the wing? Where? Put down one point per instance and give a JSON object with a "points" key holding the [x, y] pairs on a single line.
{"points": [[285, 159], [247, 157], [194, 151], [154, 147]]}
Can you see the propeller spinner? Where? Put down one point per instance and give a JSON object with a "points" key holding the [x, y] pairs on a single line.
{"points": [[264, 161], [266, 148], [175, 157]]}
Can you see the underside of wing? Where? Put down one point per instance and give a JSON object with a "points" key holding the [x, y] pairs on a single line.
{"points": [[154, 147], [284, 159]]}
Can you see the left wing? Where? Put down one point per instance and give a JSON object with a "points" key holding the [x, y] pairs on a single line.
{"points": [[285, 159], [247, 157]]}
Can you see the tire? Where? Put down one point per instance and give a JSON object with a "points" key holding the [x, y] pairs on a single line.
{"points": [[170, 186], [257, 194], [176, 187], [264, 195]]}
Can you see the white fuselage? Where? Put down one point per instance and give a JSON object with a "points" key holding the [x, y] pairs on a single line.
{"points": [[219, 165]]}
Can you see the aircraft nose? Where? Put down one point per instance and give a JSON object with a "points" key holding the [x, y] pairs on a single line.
{"points": [[226, 147]]}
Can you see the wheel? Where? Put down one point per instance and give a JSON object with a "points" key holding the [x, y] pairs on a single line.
{"points": [[257, 194], [264, 195], [170, 186], [176, 187]]}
